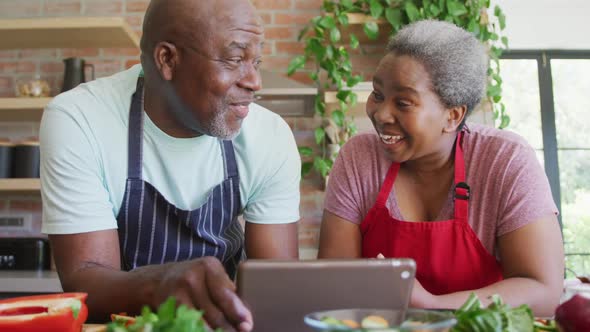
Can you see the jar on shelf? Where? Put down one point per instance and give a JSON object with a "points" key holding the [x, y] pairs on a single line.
{"points": [[26, 158], [32, 87]]}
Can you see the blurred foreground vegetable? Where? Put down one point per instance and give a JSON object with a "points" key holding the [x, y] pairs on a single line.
{"points": [[574, 315], [65, 312], [168, 318], [498, 316]]}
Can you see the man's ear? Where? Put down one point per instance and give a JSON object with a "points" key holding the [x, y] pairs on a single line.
{"points": [[166, 59], [455, 116]]}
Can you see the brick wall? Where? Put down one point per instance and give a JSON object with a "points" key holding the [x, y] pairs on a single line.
{"points": [[283, 20]]}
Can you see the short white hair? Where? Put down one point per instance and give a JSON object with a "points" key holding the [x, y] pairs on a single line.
{"points": [[456, 61]]}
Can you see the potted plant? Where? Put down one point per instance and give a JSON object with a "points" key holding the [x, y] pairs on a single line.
{"points": [[332, 69]]}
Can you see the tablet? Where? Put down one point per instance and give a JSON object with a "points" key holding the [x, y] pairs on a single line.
{"points": [[281, 293]]}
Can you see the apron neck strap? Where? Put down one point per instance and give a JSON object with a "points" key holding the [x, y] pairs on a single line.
{"points": [[461, 189], [135, 134], [461, 194], [387, 185], [135, 139]]}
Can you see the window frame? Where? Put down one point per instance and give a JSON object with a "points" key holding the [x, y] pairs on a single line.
{"points": [[547, 102]]}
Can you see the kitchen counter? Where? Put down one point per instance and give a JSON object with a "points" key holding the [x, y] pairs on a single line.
{"points": [[12, 281]]}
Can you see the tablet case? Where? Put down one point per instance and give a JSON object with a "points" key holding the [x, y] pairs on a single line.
{"points": [[281, 293]]}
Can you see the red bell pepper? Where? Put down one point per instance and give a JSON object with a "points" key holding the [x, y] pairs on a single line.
{"points": [[63, 312]]}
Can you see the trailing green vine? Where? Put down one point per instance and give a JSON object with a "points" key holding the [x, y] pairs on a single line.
{"points": [[332, 68]]}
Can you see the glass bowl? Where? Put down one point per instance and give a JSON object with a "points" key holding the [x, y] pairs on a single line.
{"points": [[413, 320]]}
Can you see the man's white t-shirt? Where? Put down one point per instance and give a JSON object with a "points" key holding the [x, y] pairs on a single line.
{"points": [[84, 160]]}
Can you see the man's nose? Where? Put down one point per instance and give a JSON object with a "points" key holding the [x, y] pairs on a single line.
{"points": [[251, 79]]}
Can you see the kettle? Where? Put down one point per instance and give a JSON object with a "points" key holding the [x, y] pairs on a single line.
{"points": [[75, 73]]}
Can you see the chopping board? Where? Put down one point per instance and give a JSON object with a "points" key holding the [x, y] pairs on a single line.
{"points": [[94, 328]]}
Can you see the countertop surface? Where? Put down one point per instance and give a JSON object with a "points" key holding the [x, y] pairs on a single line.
{"points": [[13, 281]]}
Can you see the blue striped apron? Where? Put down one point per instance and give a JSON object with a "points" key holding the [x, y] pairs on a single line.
{"points": [[154, 231]]}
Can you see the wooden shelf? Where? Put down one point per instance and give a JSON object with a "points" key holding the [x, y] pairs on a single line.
{"points": [[19, 186], [67, 32], [362, 96], [22, 109], [357, 18]]}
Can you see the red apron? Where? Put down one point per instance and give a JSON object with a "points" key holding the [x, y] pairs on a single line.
{"points": [[449, 256]]}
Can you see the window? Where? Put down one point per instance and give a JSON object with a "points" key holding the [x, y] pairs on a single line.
{"points": [[546, 94]]}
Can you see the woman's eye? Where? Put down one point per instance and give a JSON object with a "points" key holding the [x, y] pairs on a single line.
{"points": [[402, 103], [377, 96]]}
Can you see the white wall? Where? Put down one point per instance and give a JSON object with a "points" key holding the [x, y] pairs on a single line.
{"points": [[547, 24]]}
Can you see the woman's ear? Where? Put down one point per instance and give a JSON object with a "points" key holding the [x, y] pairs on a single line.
{"points": [[455, 116], [166, 59]]}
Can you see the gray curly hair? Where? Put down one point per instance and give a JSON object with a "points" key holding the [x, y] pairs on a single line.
{"points": [[456, 61]]}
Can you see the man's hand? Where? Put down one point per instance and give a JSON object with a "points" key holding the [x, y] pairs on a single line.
{"points": [[203, 284], [90, 262]]}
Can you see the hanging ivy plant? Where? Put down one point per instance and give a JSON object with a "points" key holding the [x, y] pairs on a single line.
{"points": [[333, 71]]}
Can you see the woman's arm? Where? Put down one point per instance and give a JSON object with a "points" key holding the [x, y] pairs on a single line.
{"points": [[339, 238], [532, 262]]}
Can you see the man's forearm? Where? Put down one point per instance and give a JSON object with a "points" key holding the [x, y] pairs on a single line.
{"points": [[112, 291]]}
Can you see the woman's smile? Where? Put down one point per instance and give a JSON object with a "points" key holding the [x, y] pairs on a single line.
{"points": [[391, 139]]}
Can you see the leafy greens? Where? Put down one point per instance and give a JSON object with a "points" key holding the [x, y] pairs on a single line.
{"points": [[497, 317], [168, 318]]}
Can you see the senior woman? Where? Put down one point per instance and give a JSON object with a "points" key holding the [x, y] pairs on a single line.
{"points": [[469, 203]]}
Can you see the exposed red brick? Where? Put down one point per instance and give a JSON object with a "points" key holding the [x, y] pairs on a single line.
{"points": [[110, 52], [6, 83], [16, 205], [19, 8], [302, 77], [134, 21], [357, 30], [290, 121], [312, 183], [300, 18], [106, 67], [79, 52], [103, 7], [17, 67], [55, 83], [62, 7], [26, 67], [268, 48], [37, 205], [309, 236], [10, 54], [266, 18], [289, 47], [276, 63], [37, 53], [315, 221], [131, 63], [365, 63], [311, 208], [280, 32], [8, 67], [273, 4], [308, 4], [52, 67], [136, 6], [304, 125]]}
